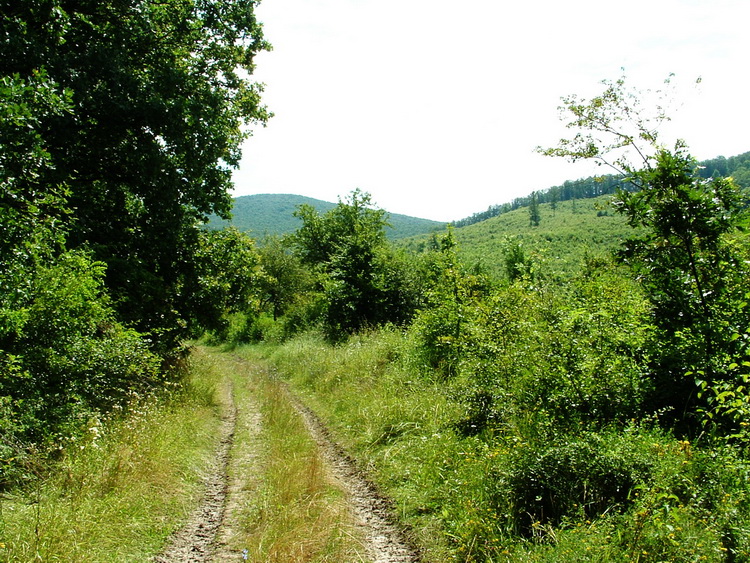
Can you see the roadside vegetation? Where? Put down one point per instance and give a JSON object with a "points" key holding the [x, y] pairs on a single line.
{"points": [[568, 381], [116, 491], [588, 409]]}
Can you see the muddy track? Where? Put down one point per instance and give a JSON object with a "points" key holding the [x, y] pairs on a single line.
{"points": [[385, 542], [194, 542]]}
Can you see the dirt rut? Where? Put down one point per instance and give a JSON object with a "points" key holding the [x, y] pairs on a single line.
{"points": [[384, 540], [202, 539], [194, 542]]}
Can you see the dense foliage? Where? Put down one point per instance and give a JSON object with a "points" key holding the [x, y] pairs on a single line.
{"points": [[593, 407], [549, 402], [156, 103], [119, 125], [362, 282]]}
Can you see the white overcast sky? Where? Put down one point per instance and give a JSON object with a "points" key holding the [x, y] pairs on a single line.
{"points": [[435, 107]]}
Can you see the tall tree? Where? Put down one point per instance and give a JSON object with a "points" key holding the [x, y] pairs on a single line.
{"points": [[534, 215], [693, 273], [159, 96], [364, 283]]}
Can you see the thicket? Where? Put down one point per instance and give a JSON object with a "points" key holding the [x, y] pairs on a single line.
{"points": [[598, 415], [119, 125]]}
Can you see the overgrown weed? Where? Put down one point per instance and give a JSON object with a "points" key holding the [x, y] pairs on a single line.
{"points": [[119, 492]]}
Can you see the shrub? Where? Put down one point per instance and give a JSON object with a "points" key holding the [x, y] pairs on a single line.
{"points": [[66, 359], [581, 477]]}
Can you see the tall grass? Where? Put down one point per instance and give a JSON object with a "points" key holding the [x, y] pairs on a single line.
{"points": [[121, 493], [117, 495], [519, 492], [396, 424], [284, 505]]}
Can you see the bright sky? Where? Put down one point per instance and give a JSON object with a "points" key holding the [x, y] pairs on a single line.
{"points": [[435, 107]]}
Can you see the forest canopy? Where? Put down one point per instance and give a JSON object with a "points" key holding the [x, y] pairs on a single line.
{"points": [[120, 123], [136, 123]]}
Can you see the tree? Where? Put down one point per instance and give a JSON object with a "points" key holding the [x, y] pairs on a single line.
{"points": [[694, 275], [534, 216], [285, 277], [32, 210], [453, 295], [64, 358], [517, 265], [554, 193], [226, 278], [158, 98], [363, 281]]}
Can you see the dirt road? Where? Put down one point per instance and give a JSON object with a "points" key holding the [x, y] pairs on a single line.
{"points": [[203, 537]]}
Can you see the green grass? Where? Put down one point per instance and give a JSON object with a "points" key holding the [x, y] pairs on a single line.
{"points": [[647, 496], [394, 426], [119, 494]]}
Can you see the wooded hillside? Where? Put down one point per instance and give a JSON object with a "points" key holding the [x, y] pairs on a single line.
{"points": [[273, 214]]}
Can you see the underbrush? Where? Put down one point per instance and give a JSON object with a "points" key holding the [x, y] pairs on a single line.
{"points": [[118, 492], [523, 487]]}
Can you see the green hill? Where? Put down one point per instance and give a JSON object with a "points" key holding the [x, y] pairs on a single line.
{"points": [[738, 167], [273, 214], [557, 246], [581, 224]]}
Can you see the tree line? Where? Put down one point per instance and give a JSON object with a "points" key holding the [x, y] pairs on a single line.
{"points": [[609, 184], [120, 123]]}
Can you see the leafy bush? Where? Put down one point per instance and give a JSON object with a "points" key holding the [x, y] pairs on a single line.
{"points": [[579, 478], [66, 359]]}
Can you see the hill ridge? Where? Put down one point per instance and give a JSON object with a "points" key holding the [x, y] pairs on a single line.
{"points": [[273, 215]]}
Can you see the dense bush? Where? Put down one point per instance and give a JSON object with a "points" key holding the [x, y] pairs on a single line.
{"points": [[571, 478], [65, 359]]}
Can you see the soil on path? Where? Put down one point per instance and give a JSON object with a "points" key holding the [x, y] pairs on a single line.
{"points": [[202, 537], [193, 543], [385, 542]]}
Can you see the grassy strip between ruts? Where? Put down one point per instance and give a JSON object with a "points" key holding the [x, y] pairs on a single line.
{"points": [[283, 506], [117, 496]]}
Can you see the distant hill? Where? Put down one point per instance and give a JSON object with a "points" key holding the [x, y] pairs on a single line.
{"points": [[577, 221], [593, 187], [273, 214], [565, 235]]}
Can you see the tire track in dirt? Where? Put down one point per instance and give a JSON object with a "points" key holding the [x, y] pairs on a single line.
{"points": [[193, 543], [203, 538], [385, 542]]}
